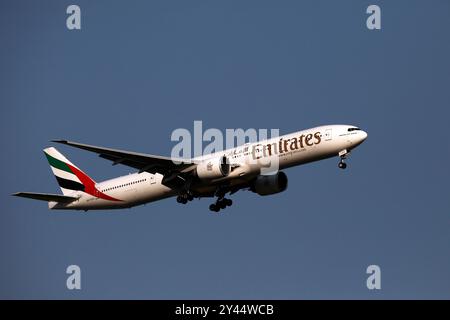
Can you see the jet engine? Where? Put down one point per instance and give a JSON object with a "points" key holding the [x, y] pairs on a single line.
{"points": [[213, 168], [271, 184]]}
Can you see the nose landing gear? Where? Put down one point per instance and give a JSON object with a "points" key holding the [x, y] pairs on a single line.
{"points": [[342, 164], [343, 155]]}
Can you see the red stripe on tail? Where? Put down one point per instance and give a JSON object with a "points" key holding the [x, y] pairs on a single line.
{"points": [[89, 185]]}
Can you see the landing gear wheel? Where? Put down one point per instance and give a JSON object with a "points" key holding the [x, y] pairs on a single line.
{"points": [[228, 202], [214, 207], [181, 199], [342, 165], [222, 204]]}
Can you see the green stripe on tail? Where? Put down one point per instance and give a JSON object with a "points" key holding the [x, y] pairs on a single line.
{"points": [[57, 163]]}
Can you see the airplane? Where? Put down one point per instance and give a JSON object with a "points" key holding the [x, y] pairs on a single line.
{"points": [[213, 175]]}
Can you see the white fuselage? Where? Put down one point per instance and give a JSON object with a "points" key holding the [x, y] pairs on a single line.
{"points": [[248, 160]]}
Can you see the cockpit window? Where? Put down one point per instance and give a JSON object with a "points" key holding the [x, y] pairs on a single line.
{"points": [[353, 129]]}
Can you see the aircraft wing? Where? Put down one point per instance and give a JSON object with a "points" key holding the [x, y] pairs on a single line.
{"points": [[45, 197], [169, 167]]}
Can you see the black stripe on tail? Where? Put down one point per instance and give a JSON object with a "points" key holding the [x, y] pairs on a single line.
{"points": [[69, 184]]}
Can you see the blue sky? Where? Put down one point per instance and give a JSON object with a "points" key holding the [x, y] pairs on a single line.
{"points": [[138, 70]]}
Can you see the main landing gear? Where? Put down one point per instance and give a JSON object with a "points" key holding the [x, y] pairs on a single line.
{"points": [[221, 202], [184, 198], [343, 155]]}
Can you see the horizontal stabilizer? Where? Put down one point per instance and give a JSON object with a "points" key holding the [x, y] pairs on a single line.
{"points": [[45, 197]]}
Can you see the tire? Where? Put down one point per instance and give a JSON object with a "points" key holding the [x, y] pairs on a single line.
{"points": [[342, 165]]}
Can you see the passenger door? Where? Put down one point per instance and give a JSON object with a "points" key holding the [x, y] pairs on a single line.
{"points": [[328, 135]]}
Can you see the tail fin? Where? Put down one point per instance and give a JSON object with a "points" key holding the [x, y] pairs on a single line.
{"points": [[70, 178]]}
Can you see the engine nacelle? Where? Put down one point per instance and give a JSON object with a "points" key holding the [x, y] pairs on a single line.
{"points": [[213, 168], [266, 185]]}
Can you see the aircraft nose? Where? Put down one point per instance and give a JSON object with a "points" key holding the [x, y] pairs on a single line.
{"points": [[363, 135]]}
